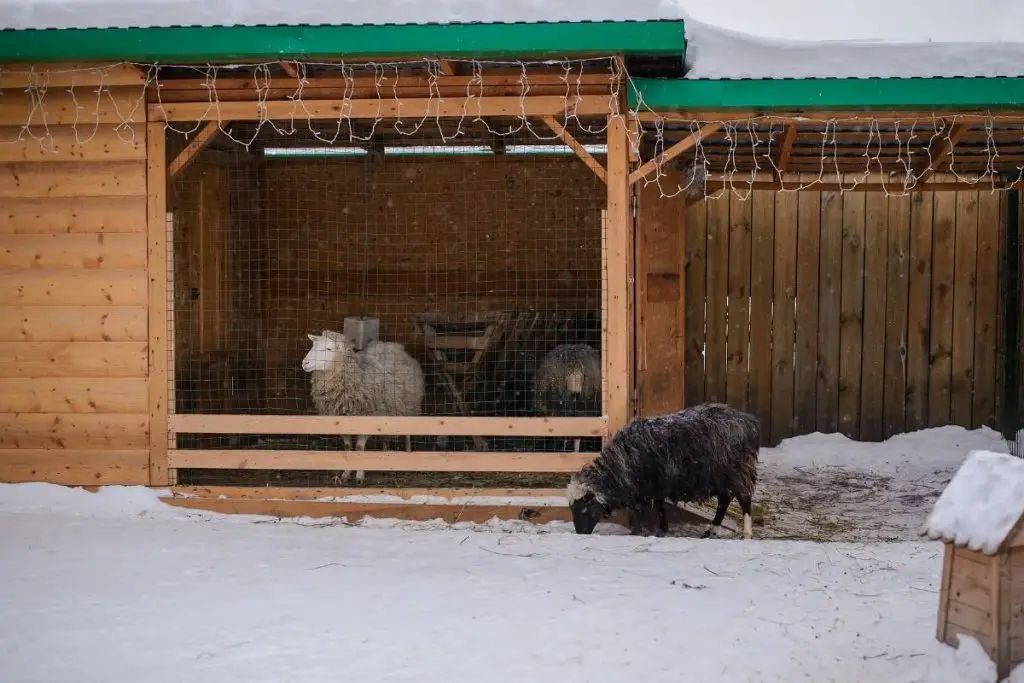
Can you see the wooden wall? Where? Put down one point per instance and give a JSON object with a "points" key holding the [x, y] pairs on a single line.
{"points": [[73, 286], [854, 313]]}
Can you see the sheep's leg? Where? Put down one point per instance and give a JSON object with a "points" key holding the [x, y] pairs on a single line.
{"points": [[361, 446], [576, 445], [716, 524], [347, 442], [408, 443], [636, 519], [748, 519], [662, 517]]}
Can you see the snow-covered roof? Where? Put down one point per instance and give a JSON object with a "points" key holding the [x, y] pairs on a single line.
{"points": [[982, 504], [740, 39]]}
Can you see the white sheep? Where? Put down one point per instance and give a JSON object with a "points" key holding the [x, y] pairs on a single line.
{"points": [[382, 379]]}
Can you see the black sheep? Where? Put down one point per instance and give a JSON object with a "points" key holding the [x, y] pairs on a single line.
{"points": [[693, 455]]}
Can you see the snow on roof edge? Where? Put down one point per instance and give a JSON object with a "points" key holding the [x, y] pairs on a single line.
{"points": [[981, 506]]}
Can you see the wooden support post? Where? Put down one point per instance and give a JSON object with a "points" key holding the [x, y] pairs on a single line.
{"points": [[660, 326], [156, 229], [674, 151], [618, 326], [290, 69], [192, 150], [787, 147], [571, 142]]}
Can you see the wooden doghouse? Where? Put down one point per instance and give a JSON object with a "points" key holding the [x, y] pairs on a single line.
{"points": [[979, 518]]}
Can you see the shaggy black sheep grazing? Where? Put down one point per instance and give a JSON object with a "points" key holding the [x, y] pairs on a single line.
{"points": [[699, 453]]}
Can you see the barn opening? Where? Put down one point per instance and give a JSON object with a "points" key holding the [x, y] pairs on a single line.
{"points": [[476, 244]]}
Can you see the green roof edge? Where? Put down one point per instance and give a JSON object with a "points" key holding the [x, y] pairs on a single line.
{"points": [[190, 44], [829, 93]]}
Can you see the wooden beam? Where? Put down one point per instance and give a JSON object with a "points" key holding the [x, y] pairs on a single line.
{"points": [[571, 142], [380, 461], [618, 328], [388, 81], [377, 108], [674, 151], [928, 166], [787, 146], [394, 426], [291, 69], [325, 492], [448, 67], [156, 230], [186, 156]]}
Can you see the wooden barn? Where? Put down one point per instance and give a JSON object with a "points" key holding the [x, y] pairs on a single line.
{"points": [[521, 202]]}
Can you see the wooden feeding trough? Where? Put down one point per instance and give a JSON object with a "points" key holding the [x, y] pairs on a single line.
{"points": [[979, 518]]}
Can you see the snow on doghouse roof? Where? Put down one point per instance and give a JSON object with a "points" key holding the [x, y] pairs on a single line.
{"points": [[982, 503], [744, 39]]}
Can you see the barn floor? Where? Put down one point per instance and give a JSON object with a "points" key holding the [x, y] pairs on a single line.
{"points": [[115, 586]]}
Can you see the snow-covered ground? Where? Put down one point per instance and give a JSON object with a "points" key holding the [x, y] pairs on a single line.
{"points": [[828, 487], [116, 586]]}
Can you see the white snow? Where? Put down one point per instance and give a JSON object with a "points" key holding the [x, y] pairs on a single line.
{"points": [[116, 586], [746, 39], [982, 503], [111, 587]]}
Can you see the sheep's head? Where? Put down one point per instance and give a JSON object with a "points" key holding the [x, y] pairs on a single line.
{"points": [[328, 349], [586, 506]]}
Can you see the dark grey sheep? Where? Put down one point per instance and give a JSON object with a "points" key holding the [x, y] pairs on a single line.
{"points": [[696, 454]]}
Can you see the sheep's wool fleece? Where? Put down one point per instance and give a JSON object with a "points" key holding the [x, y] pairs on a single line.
{"points": [[687, 456], [382, 379]]}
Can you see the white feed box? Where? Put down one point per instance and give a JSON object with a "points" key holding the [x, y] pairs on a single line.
{"points": [[362, 331]]}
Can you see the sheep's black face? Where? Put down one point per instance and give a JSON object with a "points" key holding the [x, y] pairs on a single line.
{"points": [[586, 513]]}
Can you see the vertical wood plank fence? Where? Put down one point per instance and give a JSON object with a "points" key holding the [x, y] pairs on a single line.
{"points": [[859, 313]]}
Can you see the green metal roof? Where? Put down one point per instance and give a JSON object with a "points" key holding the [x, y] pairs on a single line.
{"points": [[184, 45], [829, 93]]}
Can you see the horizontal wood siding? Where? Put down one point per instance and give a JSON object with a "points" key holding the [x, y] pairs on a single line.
{"points": [[903, 329], [73, 283]]}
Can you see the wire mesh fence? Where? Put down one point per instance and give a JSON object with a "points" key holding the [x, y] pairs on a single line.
{"points": [[410, 276]]}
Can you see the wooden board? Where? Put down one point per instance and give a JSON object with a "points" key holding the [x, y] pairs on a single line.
{"points": [[661, 314], [161, 346], [738, 318], [784, 316], [78, 431], [85, 109], [73, 395], [380, 461], [986, 327], [964, 300], [75, 467], [94, 287], [420, 425], [941, 351], [73, 180], [618, 342], [918, 309], [59, 76], [851, 333], [873, 344], [73, 323], [81, 251], [694, 286], [805, 375], [26, 216], [72, 359], [762, 296], [897, 293], [65, 143], [830, 273], [715, 351]]}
